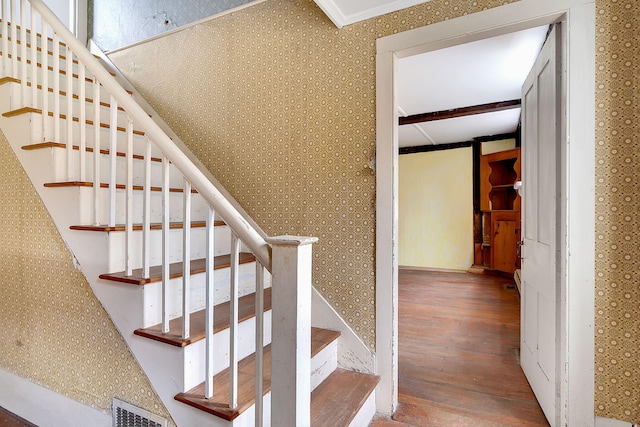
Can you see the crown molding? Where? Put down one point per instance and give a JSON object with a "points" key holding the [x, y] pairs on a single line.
{"points": [[333, 10]]}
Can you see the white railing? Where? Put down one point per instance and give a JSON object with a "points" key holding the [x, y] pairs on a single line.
{"points": [[27, 40]]}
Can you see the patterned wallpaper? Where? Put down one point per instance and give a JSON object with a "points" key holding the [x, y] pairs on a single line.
{"points": [[280, 105], [54, 331], [290, 132], [618, 210]]}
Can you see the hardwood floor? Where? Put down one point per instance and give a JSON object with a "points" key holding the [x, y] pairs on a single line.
{"points": [[458, 364], [458, 354], [7, 419]]}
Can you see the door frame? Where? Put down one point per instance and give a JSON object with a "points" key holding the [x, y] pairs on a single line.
{"points": [[577, 187]]}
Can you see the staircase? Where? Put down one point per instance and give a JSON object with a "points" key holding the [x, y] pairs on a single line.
{"points": [[190, 281]]}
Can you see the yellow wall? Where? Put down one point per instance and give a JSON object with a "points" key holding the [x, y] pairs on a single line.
{"points": [[54, 330], [498, 145], [280, 105], [436, 209]]}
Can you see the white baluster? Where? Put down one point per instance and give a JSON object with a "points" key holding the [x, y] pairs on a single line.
{"points": [[146, 216], [6, 69], [82, 105], [233, 322], [210, 304], [129, 200], [186, 257], [34, 59], [69, 70], [56, 87], [165, 243], [96, 151], [113, 147], [23, 53], [14, 38], [259, 405], [45, 77]]}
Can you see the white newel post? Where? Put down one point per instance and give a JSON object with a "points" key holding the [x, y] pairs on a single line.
{"points": [[291, 331]]}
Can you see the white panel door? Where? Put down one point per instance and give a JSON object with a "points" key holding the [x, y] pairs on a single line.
{"points": [[539, 318]]}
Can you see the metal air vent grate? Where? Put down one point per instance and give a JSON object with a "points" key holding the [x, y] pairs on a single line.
{"points": [[127, 415]]}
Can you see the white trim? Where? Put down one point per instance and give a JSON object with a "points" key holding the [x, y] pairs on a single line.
{"points": [[353, 354], [44, 407], [340, 19], [577, 393], [610, 422], [331, 9]]}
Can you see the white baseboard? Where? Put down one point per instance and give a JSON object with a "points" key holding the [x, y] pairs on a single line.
{"points": [[609, 422], [46, 408]]}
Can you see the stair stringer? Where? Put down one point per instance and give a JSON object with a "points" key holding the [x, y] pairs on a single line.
{"points": [[353, 354], [122, 302]]}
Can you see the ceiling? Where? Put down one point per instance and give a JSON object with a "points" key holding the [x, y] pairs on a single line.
{"points": [[482, 72]]}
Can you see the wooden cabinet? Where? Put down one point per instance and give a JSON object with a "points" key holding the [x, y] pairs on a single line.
{"points": [[500, 205]]}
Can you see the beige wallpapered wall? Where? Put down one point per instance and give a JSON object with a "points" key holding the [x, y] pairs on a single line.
{"points": [[290, 133], [280, 105], [54, 330], [618, 209]]}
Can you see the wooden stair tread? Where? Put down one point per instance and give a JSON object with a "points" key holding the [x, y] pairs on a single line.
{"points": [[61, 70], [175, 270], [38, 35], [337, 400], [246, 310], [219, 403], [6, 79], [27, 110], [106, 185], [138, 227], [51, 144]]}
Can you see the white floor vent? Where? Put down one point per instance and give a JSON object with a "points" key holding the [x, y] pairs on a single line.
{"points": [[127, 415]]}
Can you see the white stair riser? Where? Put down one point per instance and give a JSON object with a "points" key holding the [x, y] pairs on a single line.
{"points": [[198, 248], [176, 200], [152, 307], [194, 354], [105, 136], [198, 239], [323, 364], [62, 81], [59, 156], [76, 105], [85, 213]]}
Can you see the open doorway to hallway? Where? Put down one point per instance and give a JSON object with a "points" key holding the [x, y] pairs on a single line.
{"points": [[574, 317], [449, 366]]}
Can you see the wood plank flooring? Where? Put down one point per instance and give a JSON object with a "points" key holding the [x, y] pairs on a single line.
{"points": [[459, 339], [8, 419]]}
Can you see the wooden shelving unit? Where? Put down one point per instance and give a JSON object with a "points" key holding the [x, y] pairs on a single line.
{"points": [[500, 206]]}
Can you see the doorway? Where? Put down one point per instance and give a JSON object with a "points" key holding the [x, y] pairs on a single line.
{"points": [[458, 332], [575, 317]]}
